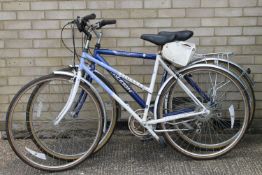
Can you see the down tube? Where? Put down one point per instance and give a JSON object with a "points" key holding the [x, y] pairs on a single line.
{"points": [[94, 77], [108, 90], [124, 85]]}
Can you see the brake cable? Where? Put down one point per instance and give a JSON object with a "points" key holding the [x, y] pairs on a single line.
{"points": [[73, 38], [74, 52]]}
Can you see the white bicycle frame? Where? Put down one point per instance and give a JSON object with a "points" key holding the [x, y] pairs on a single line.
{"points": [[148, 124]]}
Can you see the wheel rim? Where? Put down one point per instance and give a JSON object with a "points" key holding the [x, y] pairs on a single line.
{"points": [[46, 162], [223, 145]]}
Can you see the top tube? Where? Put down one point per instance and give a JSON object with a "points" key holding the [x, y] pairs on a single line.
{"points": [[125, 54], [118, 75]]}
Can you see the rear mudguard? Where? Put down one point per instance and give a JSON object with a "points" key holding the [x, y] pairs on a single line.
{"points": [[230, 63]]}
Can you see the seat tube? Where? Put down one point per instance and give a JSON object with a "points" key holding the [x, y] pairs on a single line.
{"points": [[183, 86], [151, 88]]}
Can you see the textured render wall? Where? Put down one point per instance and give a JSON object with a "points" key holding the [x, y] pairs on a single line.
{"points": [[30, 35]]}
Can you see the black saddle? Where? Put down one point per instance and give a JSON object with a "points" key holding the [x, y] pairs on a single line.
{"points": [[164, 37]]}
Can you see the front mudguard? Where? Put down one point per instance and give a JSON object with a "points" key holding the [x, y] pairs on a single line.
{"points": [[105, 80], [73, 75]]}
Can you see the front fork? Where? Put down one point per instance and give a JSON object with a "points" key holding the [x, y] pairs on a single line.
{"points": [[83, 95], [70, 99], [79, 104]]}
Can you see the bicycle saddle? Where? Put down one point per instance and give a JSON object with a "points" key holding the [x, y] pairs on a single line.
{"points": [[164, 37], [158, 39], [180, 35]]}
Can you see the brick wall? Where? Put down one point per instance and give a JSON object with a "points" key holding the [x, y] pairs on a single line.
{"points": [[30, 35]]}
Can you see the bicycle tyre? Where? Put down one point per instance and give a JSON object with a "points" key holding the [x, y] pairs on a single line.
{"points": [[243, 76], [31, 159], [110, 130], [218, 152]]}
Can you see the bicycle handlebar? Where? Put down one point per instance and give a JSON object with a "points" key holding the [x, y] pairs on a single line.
{"points": [[89, 17], [81, 23], [84, 26], [105, 22]]}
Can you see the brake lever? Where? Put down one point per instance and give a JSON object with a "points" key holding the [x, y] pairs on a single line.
{"points": [[98, 25], [79, 24], [95, 27]]}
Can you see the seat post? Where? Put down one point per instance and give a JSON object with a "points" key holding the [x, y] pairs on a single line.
{"points": [[159, 49]]}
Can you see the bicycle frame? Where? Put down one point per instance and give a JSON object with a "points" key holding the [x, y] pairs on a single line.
{"points": [[121, 81], [148, 124]]}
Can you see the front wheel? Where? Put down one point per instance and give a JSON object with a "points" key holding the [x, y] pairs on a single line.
{"points": [[205, 136], [63, 146], [112, 112]]}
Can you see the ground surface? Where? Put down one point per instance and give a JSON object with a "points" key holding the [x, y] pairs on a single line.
{"points": [[125, 154]]}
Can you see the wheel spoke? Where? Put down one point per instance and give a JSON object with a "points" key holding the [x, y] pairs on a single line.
{"points": [[212, 134]]}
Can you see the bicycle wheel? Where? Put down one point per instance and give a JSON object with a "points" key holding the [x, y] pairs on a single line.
{"points": [[243, 76], [72, 136], [240, 74], [206, 136], [112, 113]]}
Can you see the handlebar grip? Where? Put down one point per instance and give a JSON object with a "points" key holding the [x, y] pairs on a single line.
{"points": [[88, 17], [106, 22]]}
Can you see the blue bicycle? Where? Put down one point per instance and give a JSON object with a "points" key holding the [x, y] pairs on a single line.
{"points": [[57, 121]]}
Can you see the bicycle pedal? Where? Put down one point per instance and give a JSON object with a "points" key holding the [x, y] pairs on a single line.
{"points": [[162, 142]]}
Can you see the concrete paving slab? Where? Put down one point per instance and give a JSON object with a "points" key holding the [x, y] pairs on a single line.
{"points": [[125, 154]]}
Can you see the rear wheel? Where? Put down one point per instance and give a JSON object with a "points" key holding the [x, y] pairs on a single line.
{"points": [[63, 146], [209, 136], [243, 76]]}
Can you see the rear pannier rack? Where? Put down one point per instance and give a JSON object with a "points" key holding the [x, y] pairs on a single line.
{"points": [[223, 59], [219, 55]]}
